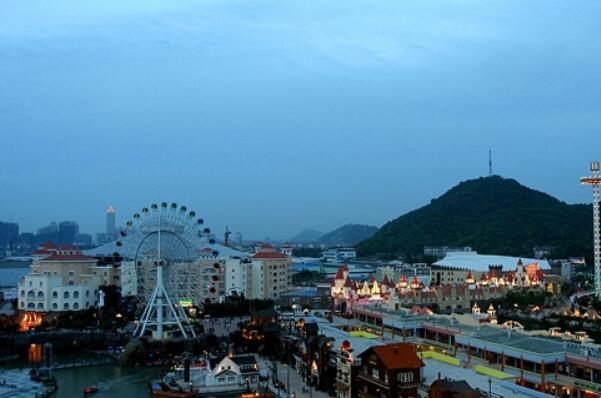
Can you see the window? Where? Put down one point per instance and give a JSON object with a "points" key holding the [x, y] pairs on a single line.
{"points": [[22, 293], [76, 306], [66, 306], [41, 284], [30, 305], [54, 294], [87, 293], [71, 273], [76, 294], [40, 306], [405, 377], [375, 373], [54, 306], [22, 304], [30, 294], [40, 294]]}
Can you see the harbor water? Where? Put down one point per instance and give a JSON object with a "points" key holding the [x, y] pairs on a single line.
{"points": [[112, 381]]}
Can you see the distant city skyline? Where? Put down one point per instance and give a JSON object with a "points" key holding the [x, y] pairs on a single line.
{"points": [[273, 117]]}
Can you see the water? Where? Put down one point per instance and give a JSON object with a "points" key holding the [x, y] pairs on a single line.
{"points": [[9, 276], [112, 380]]}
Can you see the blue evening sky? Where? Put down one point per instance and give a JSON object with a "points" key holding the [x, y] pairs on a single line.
{"points": [[274, 116]]}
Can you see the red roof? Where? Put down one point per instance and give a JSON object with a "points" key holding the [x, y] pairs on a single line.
{"points": [[396, 356], [69, 257], [386, 282], [268, 255]]}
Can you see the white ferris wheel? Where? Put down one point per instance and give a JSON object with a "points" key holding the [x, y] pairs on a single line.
{"points": [[162, 241]]}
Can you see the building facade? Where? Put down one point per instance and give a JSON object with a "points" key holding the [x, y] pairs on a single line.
{"points": [[389, 371], [271, 273], [62, 279]]}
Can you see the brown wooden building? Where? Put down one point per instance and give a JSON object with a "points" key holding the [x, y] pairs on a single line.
{"points": [[444, 388], [389, 371]]}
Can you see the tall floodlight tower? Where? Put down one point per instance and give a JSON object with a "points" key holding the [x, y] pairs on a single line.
{"points": [[594, 180]]}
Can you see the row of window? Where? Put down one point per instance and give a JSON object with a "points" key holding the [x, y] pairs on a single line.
{"points": [[31, 294], [40, 306], [406, 377]]}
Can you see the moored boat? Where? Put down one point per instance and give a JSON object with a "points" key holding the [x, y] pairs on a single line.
{"points": [[163, 390]]}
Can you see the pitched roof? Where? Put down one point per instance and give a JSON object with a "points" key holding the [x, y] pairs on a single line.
{"points": [[457, 386], [68, 257], [269, 255], [396, 356]]}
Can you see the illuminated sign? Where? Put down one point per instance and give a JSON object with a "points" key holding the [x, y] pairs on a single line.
{"points": [[185, 303]]}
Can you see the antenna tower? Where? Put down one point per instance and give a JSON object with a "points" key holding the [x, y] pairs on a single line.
{"points": [[489, 163]]}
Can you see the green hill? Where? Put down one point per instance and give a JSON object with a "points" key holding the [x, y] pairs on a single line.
{"points": [[348, 235], [306, 236], [492, 215]]}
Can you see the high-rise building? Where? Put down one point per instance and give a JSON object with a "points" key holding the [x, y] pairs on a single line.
{"points": [[111, 231], [48, 233], [9, 231], [238, 239], [67, 231]]}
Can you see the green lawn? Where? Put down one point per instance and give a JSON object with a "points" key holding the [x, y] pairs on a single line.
{"points": [[362, 333]]}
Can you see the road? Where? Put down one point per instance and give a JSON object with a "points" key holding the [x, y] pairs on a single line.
{"points": [[223, 326], [296, 380], [579, 295]]}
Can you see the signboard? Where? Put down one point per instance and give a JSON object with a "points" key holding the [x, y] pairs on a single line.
{"points": [[185, 303]]}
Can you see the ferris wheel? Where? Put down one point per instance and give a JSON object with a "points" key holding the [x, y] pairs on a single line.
{"points": [[162, 242], [182, 233]]}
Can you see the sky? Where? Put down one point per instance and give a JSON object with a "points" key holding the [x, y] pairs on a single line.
{"points": [[274, 116]]}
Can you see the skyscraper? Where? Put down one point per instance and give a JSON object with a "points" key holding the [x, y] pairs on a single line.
{"points": [[111, 231], [67, 231], [9, 232]]}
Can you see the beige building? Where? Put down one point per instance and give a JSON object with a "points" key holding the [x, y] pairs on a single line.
{"points": [[271, 273], [265, 275], [61, 278], [440, 275]]}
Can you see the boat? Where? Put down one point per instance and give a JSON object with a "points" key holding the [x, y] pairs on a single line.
{"points": [[210, 377], [89, 390], [163, 390]]}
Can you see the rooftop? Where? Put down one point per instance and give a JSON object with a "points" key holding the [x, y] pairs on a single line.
{"points": [[480, 262]]}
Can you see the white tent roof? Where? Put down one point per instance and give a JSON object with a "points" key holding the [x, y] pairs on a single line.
{"points": [[480, 262]]}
